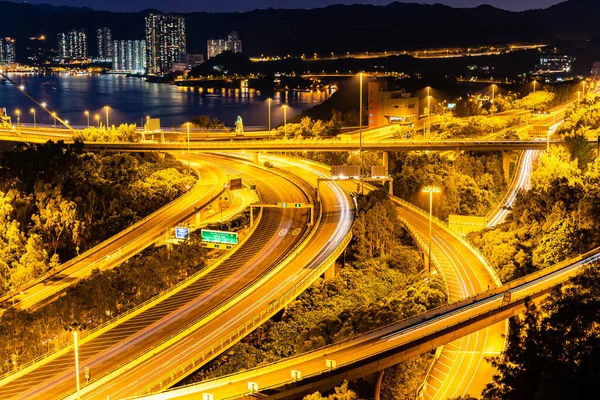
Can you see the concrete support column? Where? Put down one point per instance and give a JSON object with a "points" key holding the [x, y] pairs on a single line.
{"points": [[377, 391], [506, 166], [386, 162], [391, 187], [256, 159], [330, 271]]}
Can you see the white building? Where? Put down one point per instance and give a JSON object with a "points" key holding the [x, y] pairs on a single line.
{"points": [[129, 56], [218, 46]]}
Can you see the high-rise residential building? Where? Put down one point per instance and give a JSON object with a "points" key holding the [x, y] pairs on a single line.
{"points": [[165, 41], [217, 46], [129, 56], [73, 45], [234, 44], [104, 43], [7, 51]]}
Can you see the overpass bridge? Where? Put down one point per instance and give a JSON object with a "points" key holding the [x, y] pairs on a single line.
{"points": [[210, 146], [372, 352]]}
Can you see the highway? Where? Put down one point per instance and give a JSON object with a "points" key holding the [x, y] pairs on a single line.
{"points": [[255, 305], [390, 345], [122, 246], [129, 337], [465, 274]]}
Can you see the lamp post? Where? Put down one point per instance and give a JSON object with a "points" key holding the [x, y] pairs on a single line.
{"points": [[87, 114], [97, 118], [106, 109], [188, 133], [75, 327], [431, 190], [583, 90], [578, 97], [54, 116], [269, 103], [34, 119], [18, 114], [534, 83], [285, 120]]}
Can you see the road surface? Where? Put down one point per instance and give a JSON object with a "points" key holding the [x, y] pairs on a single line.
{"points": [[129, 338]]}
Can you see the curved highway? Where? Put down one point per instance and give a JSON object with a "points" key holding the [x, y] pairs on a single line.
{"points": [[261, 300], [128, 338], [382, 348], [122, 246], [466, 274]]}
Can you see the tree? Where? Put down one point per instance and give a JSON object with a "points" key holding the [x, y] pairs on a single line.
{"points": [[553, 352], [56, 216], [340, 393]]}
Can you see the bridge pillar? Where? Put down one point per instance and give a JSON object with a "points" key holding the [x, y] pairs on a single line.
{"points": [[377, 391], [330, 271], [256, 159], [506, 166], [386, 161]]}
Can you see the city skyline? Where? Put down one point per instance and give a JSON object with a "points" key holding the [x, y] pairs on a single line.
{"points": [[243, 5]]}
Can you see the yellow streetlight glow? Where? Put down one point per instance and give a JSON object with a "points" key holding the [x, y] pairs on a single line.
{"points": [[97, 118], [34, 119], [87, 114], [106, 109], [285, 119], [269, 101], [431, 190]]}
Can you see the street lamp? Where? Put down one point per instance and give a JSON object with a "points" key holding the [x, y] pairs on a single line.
{"points": [[188, 133], [106, 109], [34, 119], [87, 114], [493, 95], [269, 103], [18, 114], [578, 97], [285, 120], [431, 190], [75, 327], [97, 118]]}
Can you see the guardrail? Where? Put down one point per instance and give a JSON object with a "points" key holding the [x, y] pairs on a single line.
{"points": [[587, 258], [444, 226], [194, 325], [252, 324], [86, 336]]}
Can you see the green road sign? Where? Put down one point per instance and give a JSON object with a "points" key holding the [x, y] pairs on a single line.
{"points": [[292, 205], [219, 237]]}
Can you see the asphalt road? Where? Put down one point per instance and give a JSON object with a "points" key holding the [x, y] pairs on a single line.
{"points": [[122, 246], [335, 223], [136, 335]]}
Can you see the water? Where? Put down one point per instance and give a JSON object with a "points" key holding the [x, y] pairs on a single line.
{"points": [[132, 99]]}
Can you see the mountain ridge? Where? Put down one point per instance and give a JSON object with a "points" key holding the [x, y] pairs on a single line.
{"points": [[335, 28]]}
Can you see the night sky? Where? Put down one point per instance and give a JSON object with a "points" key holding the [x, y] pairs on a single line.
{"points": [[245, 5]]}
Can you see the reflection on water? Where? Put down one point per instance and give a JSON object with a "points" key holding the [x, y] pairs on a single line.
{"points": [[132, 99]]}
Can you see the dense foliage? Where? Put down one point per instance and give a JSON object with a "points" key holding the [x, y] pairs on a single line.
{"points": [[26, 335], [471, 184], [57, 201], [553, 351], [558, 217], [123, 133]]}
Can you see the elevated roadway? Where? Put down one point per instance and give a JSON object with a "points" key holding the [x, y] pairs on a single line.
{"points": [[254, 305], [390, 345], [463, 368], [122, 246], [149, 326]]}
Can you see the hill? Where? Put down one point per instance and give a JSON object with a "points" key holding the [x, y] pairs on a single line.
{"points": [[336, 28]]}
